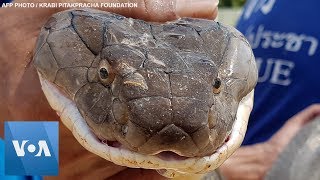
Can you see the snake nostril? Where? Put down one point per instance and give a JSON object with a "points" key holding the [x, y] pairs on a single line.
{"points": [[169, 155]]}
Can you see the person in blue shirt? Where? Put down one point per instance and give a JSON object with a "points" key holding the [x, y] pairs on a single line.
{"points": [[284, 35]]}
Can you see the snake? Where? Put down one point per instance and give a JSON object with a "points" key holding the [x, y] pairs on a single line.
{"points": [[174, 97]]}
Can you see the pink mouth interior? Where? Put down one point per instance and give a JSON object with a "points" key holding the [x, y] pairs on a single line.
{"points": [[164, 155], [169, 156], [227, 139], [114, 144]]}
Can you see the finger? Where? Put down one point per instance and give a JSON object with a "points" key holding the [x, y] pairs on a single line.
{"points": [[165, 10], [197, 8], [307, 114], [293, 125], [152, 10]]}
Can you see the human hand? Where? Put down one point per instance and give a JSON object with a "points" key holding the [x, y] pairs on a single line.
{"points": [[253, 162], [150, 10], [293, 125]]}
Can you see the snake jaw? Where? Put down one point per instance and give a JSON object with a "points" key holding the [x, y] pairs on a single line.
{"points": [[72, 118]]}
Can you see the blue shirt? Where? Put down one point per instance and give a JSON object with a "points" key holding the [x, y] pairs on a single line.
{"points": [[284, 35]]}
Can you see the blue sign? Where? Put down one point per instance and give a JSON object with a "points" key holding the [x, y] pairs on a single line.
{"points": [[1, 158], [31, 148]]}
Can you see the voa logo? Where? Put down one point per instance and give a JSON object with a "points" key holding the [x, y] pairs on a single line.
{"points": [[41, 148], [31, 148]]}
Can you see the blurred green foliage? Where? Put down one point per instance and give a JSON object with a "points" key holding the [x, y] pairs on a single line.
{"points": [[231, 3]]}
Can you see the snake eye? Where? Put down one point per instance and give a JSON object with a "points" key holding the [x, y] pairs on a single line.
{"points": [[216, 86], [106, 75], [103, 73]]}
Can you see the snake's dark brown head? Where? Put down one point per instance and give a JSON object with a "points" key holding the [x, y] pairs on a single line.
{"points": [[150, 87]]}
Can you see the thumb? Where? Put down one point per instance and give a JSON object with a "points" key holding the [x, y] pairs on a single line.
{"points": [[293, 125], [165, 10], [154, 10]]}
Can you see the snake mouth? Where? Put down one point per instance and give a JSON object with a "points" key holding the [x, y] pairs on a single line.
{"points": [[164, 155], [115, 153]]}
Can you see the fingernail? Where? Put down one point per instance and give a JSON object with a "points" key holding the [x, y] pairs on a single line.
{"points": [[196, 8]]}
